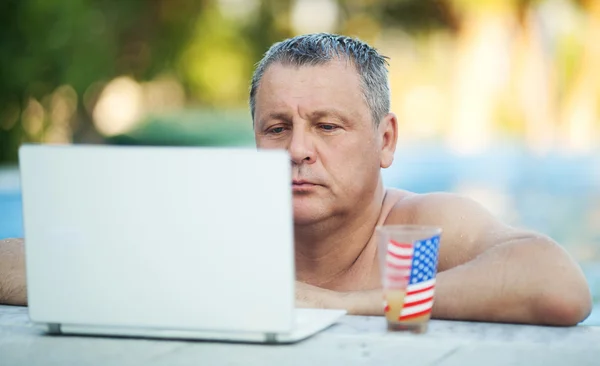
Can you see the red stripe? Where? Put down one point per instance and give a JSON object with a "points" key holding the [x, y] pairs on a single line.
{"points": [[421, 290], [398, 278], [392, 287], [419, 302], [400, 256], [401, 245], [415, 315], [398, 266]]}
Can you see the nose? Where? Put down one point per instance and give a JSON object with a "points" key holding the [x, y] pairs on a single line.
{"points": [[301, 148]]}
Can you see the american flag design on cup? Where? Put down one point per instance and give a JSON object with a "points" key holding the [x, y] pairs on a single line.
{"points": [[410, 278]]}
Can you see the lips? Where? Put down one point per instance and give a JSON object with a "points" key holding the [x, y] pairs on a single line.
{"points": [[303, 186], [300, 182]]}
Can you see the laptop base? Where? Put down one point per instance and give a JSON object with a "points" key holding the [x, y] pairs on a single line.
{"points": [[308, 323]]}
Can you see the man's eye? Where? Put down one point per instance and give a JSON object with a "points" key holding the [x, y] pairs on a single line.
{"points": [[277, 130], [328, 127]]}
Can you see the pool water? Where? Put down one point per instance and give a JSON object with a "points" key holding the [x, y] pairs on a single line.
{"points": [[11, 222]]}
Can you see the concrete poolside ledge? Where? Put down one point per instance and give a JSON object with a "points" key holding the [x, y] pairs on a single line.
{"points": [[355, 340]]}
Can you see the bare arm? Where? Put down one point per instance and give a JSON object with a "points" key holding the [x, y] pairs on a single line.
{"points": [[487, 271], [527, 279], [13, 290], [492, 272]]}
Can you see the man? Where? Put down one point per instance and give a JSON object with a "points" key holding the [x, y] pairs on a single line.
{"points": [[325, 98]]}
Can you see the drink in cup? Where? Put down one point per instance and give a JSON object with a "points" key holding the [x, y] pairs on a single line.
{"points": [[408, 257]]}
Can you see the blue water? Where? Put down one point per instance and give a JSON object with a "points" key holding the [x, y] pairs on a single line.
{"points": [[11, 212]]}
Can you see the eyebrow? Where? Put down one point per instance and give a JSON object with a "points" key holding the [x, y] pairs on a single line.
{"points": [[282, 116], [286, 117], [328, 113]]}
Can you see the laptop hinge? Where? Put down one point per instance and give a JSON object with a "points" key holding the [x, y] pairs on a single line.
{"points": [[270, 337], [54, 328]]}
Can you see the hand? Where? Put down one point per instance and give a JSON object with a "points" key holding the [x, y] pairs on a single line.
{"points": [[309, 296], [13, 285], [356, 302]]}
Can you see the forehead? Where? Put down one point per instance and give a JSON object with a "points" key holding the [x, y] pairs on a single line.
{"points": [[335, 83]]}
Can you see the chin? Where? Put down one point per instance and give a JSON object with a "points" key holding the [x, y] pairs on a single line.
{"points": [[305, 221], [309, 209], [307, 215]]}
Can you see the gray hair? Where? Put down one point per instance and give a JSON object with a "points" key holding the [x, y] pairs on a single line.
{"points": [[321, 48]]}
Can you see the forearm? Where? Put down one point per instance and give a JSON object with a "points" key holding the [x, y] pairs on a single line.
{"points": [[524, 281], [368, 302], [12, 272]]}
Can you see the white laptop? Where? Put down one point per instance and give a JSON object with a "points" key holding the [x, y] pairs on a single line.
{"points": [[168, 242]]}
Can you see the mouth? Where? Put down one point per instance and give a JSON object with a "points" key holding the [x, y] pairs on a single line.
{"points": [[303, 185], [302, 182]]}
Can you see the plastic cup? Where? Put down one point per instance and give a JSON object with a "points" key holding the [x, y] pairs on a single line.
{"points": [[408, 257]]}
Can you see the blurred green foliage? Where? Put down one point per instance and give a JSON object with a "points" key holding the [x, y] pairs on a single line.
{"points": [[82, 43], [191, 128]]}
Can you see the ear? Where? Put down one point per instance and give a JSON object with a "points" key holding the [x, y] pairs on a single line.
{"points": [[388, 132]]}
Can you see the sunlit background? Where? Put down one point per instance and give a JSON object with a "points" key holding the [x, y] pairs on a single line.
{"points": [[496, 99]]}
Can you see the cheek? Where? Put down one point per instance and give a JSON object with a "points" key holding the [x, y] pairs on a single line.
{"points": [[266, 143], [354, 167]]}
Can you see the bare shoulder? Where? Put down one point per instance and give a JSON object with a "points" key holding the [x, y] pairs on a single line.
{"points": [[437, 208], [468, 228]]}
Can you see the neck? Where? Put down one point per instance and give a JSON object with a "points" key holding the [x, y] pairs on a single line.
{"points": [[326, 250]]}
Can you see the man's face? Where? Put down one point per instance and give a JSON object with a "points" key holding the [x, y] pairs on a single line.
{"points": [[319, 115]]}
